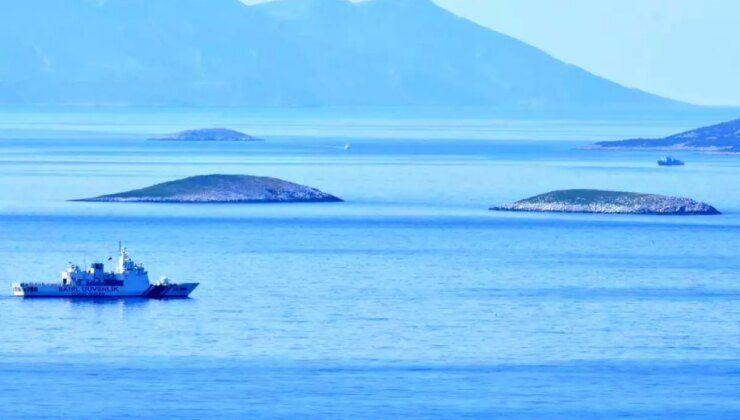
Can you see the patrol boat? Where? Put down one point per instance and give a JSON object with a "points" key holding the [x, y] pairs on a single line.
{"points": [[128, 280], [669, 161]]}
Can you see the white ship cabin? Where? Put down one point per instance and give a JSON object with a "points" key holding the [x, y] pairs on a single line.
{"points": [[97, 276]]}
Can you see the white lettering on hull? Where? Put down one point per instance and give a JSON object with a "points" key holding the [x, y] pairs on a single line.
{"points": [[89, 290]]}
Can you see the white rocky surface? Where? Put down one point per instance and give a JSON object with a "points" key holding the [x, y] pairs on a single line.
{"points": [[609, 202]]}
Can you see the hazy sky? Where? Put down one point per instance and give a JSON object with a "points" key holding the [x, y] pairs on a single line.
{"points": [[683, 49]]}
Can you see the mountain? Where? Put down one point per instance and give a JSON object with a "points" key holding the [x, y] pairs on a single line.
{"points": [[724, 137], [285, 53]]}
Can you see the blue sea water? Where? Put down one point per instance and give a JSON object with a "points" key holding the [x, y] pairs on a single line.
{"points": [[410, 299]]}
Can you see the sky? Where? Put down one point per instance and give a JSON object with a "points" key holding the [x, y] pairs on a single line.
{"points": [[682, 49]]}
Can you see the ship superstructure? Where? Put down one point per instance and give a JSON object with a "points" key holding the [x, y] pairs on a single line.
{"points": [[129, 279]]}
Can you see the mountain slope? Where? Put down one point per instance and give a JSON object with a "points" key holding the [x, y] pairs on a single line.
{"points": [[287, 53], [723, 137]]}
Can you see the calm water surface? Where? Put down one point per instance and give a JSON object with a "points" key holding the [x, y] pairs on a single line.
{"points": [[409, 299]]}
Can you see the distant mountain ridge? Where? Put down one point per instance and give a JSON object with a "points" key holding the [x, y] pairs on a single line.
{"points": [[207, 135], [723, 137], [284, 53]]}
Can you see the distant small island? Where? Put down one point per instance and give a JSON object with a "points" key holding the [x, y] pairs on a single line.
{"points": [[221, 189], [609, 202], [206, 135], [722, 138]]}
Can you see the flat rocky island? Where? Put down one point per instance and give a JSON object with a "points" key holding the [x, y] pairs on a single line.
{"points": [[609, 202], [207, 135], [221, 189]]}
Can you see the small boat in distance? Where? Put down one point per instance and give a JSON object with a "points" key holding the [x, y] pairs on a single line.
{"points": [[128, 280], [347, 146], [669, 161]]}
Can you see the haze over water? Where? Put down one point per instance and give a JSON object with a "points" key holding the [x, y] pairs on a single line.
{"points": [[409, 299]]}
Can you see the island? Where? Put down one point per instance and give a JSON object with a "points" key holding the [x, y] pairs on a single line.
{"points": [[207, 135], [221, 189], [720, 138], [609, 202]]}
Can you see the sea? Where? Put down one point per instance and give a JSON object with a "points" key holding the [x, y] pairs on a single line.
{"points": [[408, 300]]}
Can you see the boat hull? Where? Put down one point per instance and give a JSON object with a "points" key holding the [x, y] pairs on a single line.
{"points": [[153, 291]]}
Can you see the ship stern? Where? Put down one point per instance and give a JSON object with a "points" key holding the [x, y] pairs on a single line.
{"points": [[28, 289], [17, 289]]}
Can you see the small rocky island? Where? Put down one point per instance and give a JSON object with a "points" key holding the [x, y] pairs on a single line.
{"points": [[207, 135], [609, 202], [222, 189], [721, 138]]}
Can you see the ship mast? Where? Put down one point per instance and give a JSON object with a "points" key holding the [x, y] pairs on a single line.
{"points": [[122, 258]]}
